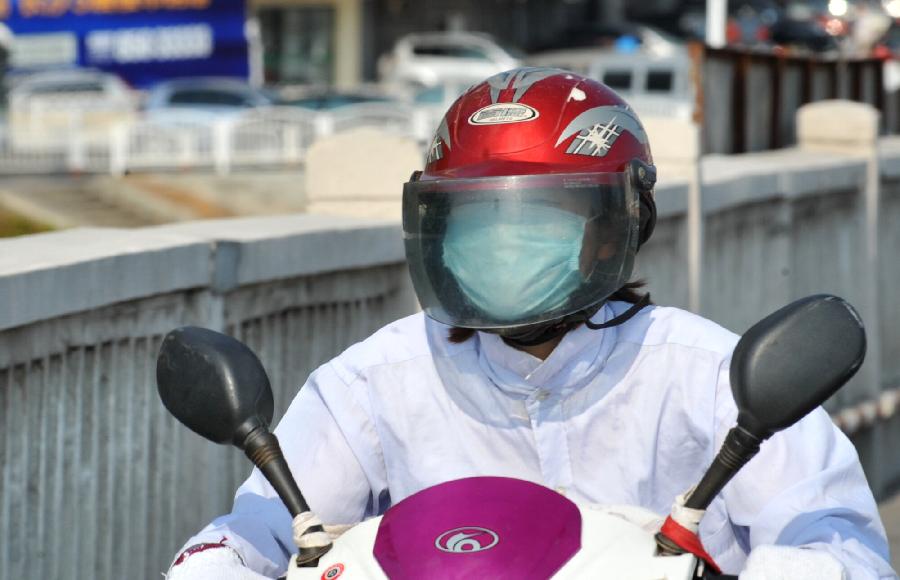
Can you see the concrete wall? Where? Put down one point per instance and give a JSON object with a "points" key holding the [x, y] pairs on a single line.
{"points": [[381, 163], [96, 480], [90, 462], [786, 224]]}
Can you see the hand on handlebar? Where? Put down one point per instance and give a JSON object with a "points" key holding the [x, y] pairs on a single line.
{"points": [[791, 563], [211, 562]]}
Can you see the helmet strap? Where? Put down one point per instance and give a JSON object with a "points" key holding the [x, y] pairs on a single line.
{"points": [[541, 333], [622, 318]]}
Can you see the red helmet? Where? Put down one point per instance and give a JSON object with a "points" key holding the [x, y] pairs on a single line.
{"points": [[535, 198]]}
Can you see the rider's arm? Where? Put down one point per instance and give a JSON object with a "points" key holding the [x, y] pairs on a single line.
{"points": [[806, 487], [333, 451]]}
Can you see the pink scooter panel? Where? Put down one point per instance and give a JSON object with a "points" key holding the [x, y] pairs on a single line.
{"points": [[479, 527]]}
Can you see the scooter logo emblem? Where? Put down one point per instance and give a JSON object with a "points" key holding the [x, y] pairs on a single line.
{"points": [[333, 572], [466, 540]]}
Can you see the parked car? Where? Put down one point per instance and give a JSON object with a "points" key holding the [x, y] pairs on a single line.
{"points": [[427, 59], [655, 77], [625, 37], [6, 43], [803, 34], [808, 25], [888, 46], [579, 52], [46, 109], [328, 98], [203, 99], [654, 86]]}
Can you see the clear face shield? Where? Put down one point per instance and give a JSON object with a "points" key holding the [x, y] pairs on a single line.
{"points": [[507, 252]]}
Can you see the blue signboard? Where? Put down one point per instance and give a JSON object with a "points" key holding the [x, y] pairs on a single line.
{"points": [[144, 41]]}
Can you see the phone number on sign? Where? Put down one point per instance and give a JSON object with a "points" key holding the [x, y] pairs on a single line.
{"points": [[165, 43]]}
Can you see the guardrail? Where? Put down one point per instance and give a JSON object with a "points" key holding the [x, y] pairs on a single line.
{"points": [[93, 471], [784, 224], [263, 137], [745, 100]]}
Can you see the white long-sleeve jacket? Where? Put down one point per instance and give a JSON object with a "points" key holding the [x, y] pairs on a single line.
{"points": [[632, 414]]}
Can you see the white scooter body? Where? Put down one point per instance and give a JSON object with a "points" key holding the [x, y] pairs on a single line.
{"points": [[494, 527], [616, 542]]}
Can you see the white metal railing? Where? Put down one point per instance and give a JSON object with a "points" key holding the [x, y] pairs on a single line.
{"points": [[85, 444], [274, 136], [154, 145], [387, 116], [51, 121]]}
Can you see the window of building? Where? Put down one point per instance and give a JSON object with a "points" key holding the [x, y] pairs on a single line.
{"points": [[210, 97], [298, 44], [659, 81], [449, 51], [619, 80]]}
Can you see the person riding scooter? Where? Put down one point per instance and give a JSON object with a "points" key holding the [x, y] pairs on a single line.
{"points": [[537, 357]]}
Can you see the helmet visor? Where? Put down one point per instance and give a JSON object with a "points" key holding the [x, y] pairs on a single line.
{"points": [[503, 252]]}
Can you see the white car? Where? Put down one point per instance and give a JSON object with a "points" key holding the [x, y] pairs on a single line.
{"points": [[48, 109], [429, 59], [655, 83], [654, 86]]}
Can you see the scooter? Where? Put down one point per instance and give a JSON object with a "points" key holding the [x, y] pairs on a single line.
{"points": [[493, 527]]}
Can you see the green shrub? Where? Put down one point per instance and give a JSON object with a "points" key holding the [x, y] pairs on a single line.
{"points": [[12, 224]]}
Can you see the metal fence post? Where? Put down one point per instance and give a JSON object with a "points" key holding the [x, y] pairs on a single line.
{"points": [[76, 152], [323, 124], [695, 224], [677, 155], [221, 133], [118, 150], [290, 141], [187, 148]]}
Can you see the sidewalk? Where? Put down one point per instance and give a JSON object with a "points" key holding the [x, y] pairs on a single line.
{"points": [[890, 515]]}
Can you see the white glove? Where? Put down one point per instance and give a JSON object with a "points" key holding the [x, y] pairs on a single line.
{"points": [[790, 563], [215, 563]]}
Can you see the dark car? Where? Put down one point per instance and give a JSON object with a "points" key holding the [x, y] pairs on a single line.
{"points": [[806, 34], [889, 44], [327, 99], [203, 98]]}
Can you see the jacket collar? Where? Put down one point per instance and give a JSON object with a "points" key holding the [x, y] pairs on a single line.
{"points": [[578, 358]]}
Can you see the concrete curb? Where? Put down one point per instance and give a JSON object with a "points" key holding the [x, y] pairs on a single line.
{"points": [[50, 275]]}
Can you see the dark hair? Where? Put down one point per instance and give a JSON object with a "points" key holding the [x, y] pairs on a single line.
{"points": [[627, 293]]}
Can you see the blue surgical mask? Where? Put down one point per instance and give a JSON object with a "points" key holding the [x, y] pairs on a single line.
{"points": [[514, 265]]}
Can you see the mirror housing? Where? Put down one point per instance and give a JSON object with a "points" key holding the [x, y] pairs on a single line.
{"points": [[217, 387], [213, 384], [785, 366], [792, 361]]}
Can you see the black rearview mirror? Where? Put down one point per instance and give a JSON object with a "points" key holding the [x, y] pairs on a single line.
{"points": [[217, 387], [793, 361], [213, 384], [785, 366]]}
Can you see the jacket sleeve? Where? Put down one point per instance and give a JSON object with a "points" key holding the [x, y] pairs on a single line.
{"points": [[333, 451], [805, 487]]}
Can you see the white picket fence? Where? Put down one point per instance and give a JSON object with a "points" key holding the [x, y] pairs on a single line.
{"points": [[265, 137]]}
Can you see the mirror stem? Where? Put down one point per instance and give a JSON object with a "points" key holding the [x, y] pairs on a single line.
{"points": [[739, 447], [265, 452], [263, 449]]}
